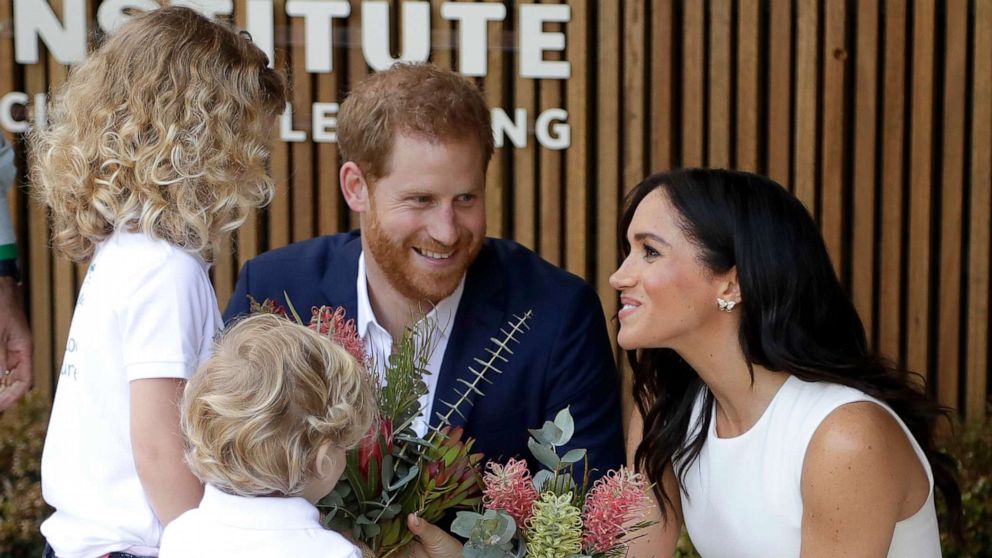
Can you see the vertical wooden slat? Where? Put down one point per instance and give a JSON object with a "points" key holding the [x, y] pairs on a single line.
{"points": [[577, 188], [977, 366], [804, 159], [889, 315], [746, 140], [524, 162], [952, 190], [550, 172], [223, 271], [693, 68], [278, 211], [328, 191], [718, 123], [779, 90], [921, 183], [865, 148], [833, 147], [660, 124], [302, 195], [496, 177], [40, 268], [607, 155], [634, 90]]}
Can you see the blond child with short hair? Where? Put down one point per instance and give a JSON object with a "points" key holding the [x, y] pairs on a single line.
{"points": [[267, 421], [156, 147]]}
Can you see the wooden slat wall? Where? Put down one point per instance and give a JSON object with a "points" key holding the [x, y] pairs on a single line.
{"points": [[878, 115]]}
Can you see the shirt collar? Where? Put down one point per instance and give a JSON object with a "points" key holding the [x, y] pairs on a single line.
{"points": [[443, 312], [259, 512]]}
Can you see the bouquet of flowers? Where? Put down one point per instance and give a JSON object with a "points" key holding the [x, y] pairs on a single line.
{"points": [[549, 515], [394, 472]]}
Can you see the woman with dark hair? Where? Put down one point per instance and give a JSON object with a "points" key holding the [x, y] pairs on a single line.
{"points": [[767, 424]]}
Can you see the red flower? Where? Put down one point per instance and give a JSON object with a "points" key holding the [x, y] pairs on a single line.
{"points": [[510, 488], [331, 322], [614, 500], [372, 445]]}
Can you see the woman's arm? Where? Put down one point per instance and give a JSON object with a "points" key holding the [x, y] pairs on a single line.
{"points": [[860, 476], [658, 540], [158, 447]]}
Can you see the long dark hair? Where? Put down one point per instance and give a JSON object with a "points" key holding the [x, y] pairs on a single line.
{"points": [[795, 318]]}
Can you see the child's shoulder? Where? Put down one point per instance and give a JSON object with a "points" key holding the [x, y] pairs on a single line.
{"points": [[138, 257]]}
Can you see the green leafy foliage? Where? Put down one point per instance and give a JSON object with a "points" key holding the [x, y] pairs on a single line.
{"points": [[394, 472], [22, 509], [972, 447]]}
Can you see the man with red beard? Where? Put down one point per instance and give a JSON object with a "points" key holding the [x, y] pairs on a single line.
{"points": [[416, 141]]}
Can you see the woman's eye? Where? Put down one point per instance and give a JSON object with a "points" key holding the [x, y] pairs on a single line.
{"points": [[650, 252]]}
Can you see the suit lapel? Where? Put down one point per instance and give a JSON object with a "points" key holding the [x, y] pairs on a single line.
{"points": [[478, 318], [341, 276]]}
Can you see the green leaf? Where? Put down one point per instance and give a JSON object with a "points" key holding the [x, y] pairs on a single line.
{"points": [[538, 435], [542, 477], [410, 475], [387, 469], [292, 310], [464, 522], [543, 454], [564, 422], [574, 456], [552, 433]]}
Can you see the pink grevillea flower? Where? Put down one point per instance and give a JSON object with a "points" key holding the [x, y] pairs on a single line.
{"points": [[331, 321], [510, 488], [613, 500]]}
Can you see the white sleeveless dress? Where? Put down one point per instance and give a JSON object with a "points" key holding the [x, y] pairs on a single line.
{"points": [[743, 494]]}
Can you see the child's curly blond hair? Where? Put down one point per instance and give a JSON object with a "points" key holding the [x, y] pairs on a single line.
{"points": [[163, 129], [257, 411]]}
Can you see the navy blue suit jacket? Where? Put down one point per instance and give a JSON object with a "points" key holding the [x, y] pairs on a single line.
{"points": [[564, 359]]}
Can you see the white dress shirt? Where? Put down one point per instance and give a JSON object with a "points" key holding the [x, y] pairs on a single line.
{"points": [[379, 343]]}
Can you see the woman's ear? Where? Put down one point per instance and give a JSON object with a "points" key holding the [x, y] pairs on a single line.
{"points": [[354, 187], [729, 288]]}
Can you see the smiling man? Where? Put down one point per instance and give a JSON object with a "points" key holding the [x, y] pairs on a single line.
{"points": [[416, 141]]}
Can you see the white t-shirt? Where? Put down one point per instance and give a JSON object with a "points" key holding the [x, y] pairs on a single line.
{"points": [[145, 310], [263, 527], [379, 343]]}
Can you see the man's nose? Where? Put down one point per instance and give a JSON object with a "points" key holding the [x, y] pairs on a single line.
{"points": [[442, 227]]}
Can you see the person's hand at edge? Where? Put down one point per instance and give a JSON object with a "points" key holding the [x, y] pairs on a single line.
{"points": [[15, 346], [431, 541]]}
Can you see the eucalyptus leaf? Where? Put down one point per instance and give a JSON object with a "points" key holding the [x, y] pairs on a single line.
{"points": [[464, 523], [387, 469], [333, 500], [543, 454], [402, 481], [574, 456], [538, 435], [542, 477], [552, 433], [371, 530], [564, 421]]}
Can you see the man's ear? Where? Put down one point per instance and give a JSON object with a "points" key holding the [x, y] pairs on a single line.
{"points": [[354, 187], [730, 288]]}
